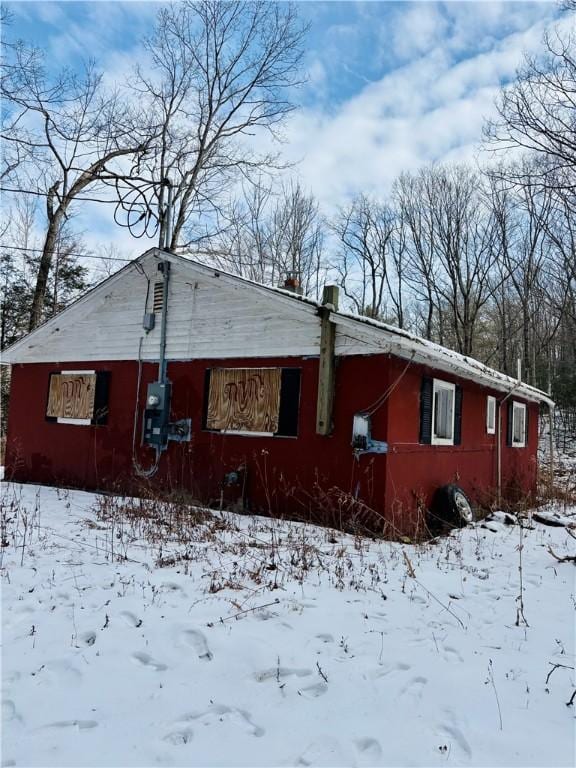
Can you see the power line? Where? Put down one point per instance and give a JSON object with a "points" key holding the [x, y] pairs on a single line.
{"points": [[45, 194], [80, 255]]}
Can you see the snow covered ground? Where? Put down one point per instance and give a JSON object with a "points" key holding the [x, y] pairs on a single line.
{"points": [[261, 643]]}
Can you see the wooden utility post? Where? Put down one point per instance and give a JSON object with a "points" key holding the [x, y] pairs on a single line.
{"points": [[326, 366]]}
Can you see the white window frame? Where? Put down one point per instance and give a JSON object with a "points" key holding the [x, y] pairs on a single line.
{"points": [[518, 408], [437, 385], [491, 411]]}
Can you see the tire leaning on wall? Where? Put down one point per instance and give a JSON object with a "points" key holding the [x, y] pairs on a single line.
{"points": [[451, 506]]}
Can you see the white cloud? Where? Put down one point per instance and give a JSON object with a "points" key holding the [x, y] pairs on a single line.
{"points": [[418, 29], [422, 97], [431, 109]]}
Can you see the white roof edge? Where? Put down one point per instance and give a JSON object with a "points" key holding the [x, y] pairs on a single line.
{"points": [[399, 341]]}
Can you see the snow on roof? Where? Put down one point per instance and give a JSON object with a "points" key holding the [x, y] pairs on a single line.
{"points": [[406, 344], [397, 340]]}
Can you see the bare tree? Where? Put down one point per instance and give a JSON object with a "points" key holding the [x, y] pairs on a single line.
{"points": [[20, 254], [414, 198], [65, 133], [450, 253], [221, 81], [369, 256], [521, 216], [296, 239], [273, 236], [537, 114]]}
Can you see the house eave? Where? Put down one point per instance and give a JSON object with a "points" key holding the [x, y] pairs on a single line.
{"points": [[371, 332]]}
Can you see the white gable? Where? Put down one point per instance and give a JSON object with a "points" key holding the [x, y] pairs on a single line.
{"points": [[212, 314]]}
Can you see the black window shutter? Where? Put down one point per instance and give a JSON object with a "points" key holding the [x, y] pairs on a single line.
{"points": [[50, 418], [289, 402], [509, 418], [526, 412], [101, 397], [206, 397], [426, 404], [458, 415]]}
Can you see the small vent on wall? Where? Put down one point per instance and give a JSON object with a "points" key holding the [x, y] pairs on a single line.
{"points": [[158, 302]]}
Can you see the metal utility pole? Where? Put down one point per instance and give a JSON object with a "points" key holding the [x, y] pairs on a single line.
{"points": [[165, 214]]}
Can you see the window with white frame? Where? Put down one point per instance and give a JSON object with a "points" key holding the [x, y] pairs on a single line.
{"points": [[443, 412], [518, 425], [491, 415]]}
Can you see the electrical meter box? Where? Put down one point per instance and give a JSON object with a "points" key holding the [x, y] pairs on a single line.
{"points": [[362, 441], [157, 414]]}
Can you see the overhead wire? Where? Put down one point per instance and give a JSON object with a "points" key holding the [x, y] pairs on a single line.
{"points": [[136, 206], [38, 193], [79, 255]]}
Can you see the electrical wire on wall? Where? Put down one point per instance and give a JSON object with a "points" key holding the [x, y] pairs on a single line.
{"points": [[379, 402], [141, 471]]}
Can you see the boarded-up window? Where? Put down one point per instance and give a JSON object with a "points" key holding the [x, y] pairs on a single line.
{"points": [[244, 399], [71, 396], [78, 397]]}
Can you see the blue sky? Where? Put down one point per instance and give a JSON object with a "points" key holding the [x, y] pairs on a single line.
{"points": [[391, 85]]}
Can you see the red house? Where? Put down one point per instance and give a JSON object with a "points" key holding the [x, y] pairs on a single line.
{"points": [[176, 375]]}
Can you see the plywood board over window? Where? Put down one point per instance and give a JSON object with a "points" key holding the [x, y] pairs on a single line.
{"points": [[71, 396], [244, 400]]}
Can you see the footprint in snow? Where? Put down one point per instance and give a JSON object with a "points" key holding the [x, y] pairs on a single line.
{"points": [[9, 711], [325, 752], [451, 654], [453, 731], [179, 736], [88, 638], [171, 586], [263, 614], [147, 661], [415, 688], [314, 691], [81, 725], [325, 637], [131, 619], [196, 640], [61, 671], [388, 669], [221, 713], [369, 748], [280, 673]]}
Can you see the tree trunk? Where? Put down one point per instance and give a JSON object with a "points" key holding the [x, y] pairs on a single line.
{"points": [[40, 290]]}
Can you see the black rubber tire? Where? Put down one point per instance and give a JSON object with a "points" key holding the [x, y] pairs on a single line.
{"points": [[451, 505]]}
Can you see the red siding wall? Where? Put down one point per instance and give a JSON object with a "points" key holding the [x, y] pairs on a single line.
{"points": [[293, 476], [311, 477], [414, 471]]}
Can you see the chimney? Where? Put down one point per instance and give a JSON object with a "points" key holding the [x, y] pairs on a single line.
{"points": [[292, 284]]}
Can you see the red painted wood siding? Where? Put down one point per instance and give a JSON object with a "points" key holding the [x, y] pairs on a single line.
{"points": [[309, 476], [286, 475], [414, 471]]}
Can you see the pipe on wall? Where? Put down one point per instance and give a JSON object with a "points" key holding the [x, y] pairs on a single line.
{"points": [[499, 443]]}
